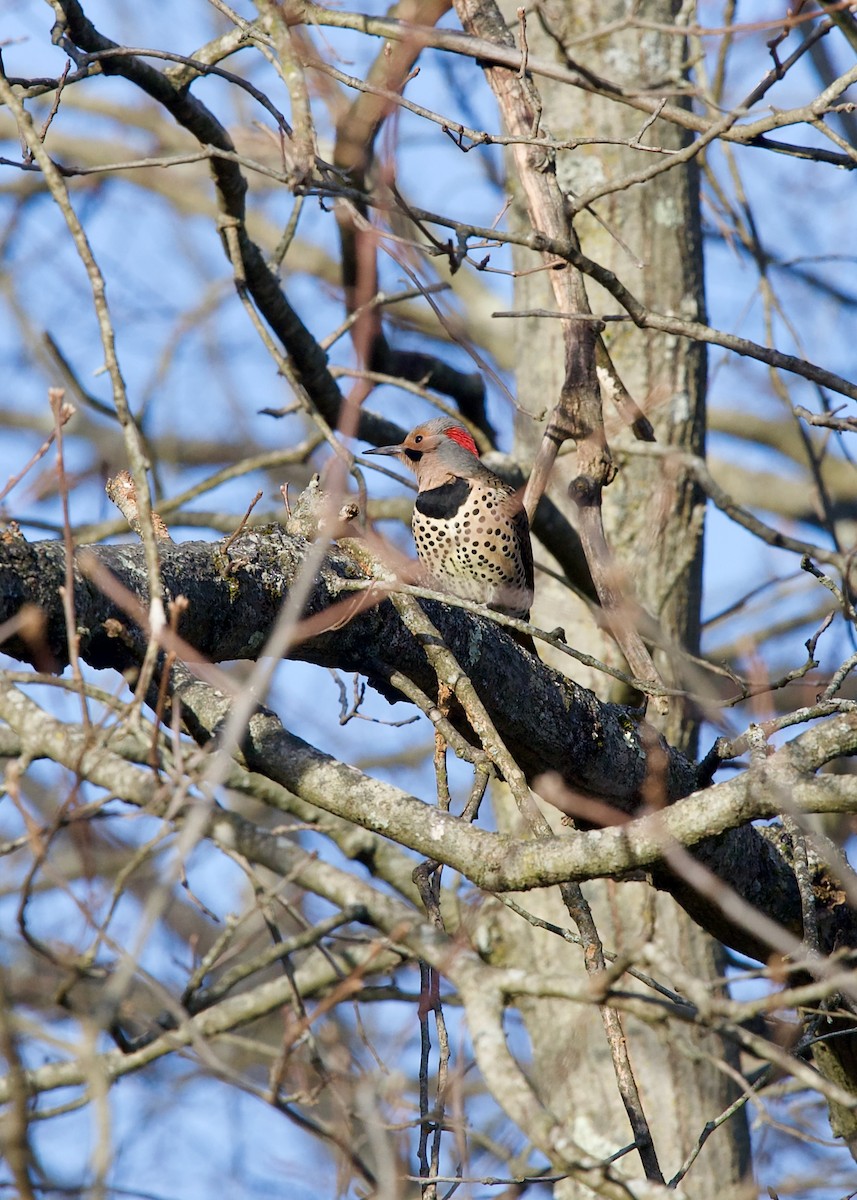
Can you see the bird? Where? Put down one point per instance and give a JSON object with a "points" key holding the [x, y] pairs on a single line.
{"points": [[470, 529]]}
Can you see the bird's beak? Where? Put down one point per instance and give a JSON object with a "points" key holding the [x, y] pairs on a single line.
{"points": [[392, 451]]}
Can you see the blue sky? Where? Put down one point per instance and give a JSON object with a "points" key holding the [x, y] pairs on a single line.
{"points": [[158, 270]]}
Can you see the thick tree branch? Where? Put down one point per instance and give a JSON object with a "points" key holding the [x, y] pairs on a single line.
{"points": [[548, 722], [596, 748]]}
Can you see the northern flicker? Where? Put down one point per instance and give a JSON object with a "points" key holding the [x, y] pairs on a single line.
{"points": [[470, 529]]}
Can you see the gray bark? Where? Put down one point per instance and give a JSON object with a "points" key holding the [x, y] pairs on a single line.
{"points": [[654, 523]]}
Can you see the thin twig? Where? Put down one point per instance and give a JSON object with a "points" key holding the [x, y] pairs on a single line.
{"points": [[65, 413], [61, 413]]}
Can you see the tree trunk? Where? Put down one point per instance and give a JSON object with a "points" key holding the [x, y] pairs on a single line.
{"points": [[659, 547]]}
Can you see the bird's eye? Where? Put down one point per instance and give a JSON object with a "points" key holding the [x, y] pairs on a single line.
{"points": [[418, 438]]}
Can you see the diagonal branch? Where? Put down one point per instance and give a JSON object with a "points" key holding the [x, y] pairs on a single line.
{"points": [[598, 748], [577, 413], [74, 29]]}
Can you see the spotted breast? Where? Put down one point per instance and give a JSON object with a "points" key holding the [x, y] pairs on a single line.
{"points": [[470, 530], [472, 536]]}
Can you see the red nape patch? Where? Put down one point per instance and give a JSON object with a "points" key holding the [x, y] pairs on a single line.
{"points": [[463, 438]]}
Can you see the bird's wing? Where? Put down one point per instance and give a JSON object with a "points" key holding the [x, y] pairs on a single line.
{"points": [[522, 528]]}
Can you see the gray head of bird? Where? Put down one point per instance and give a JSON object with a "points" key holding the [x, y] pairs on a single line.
{"points": [[439, 445]]}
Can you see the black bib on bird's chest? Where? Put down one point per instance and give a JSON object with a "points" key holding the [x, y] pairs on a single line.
{"points": [[442, 503]]}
